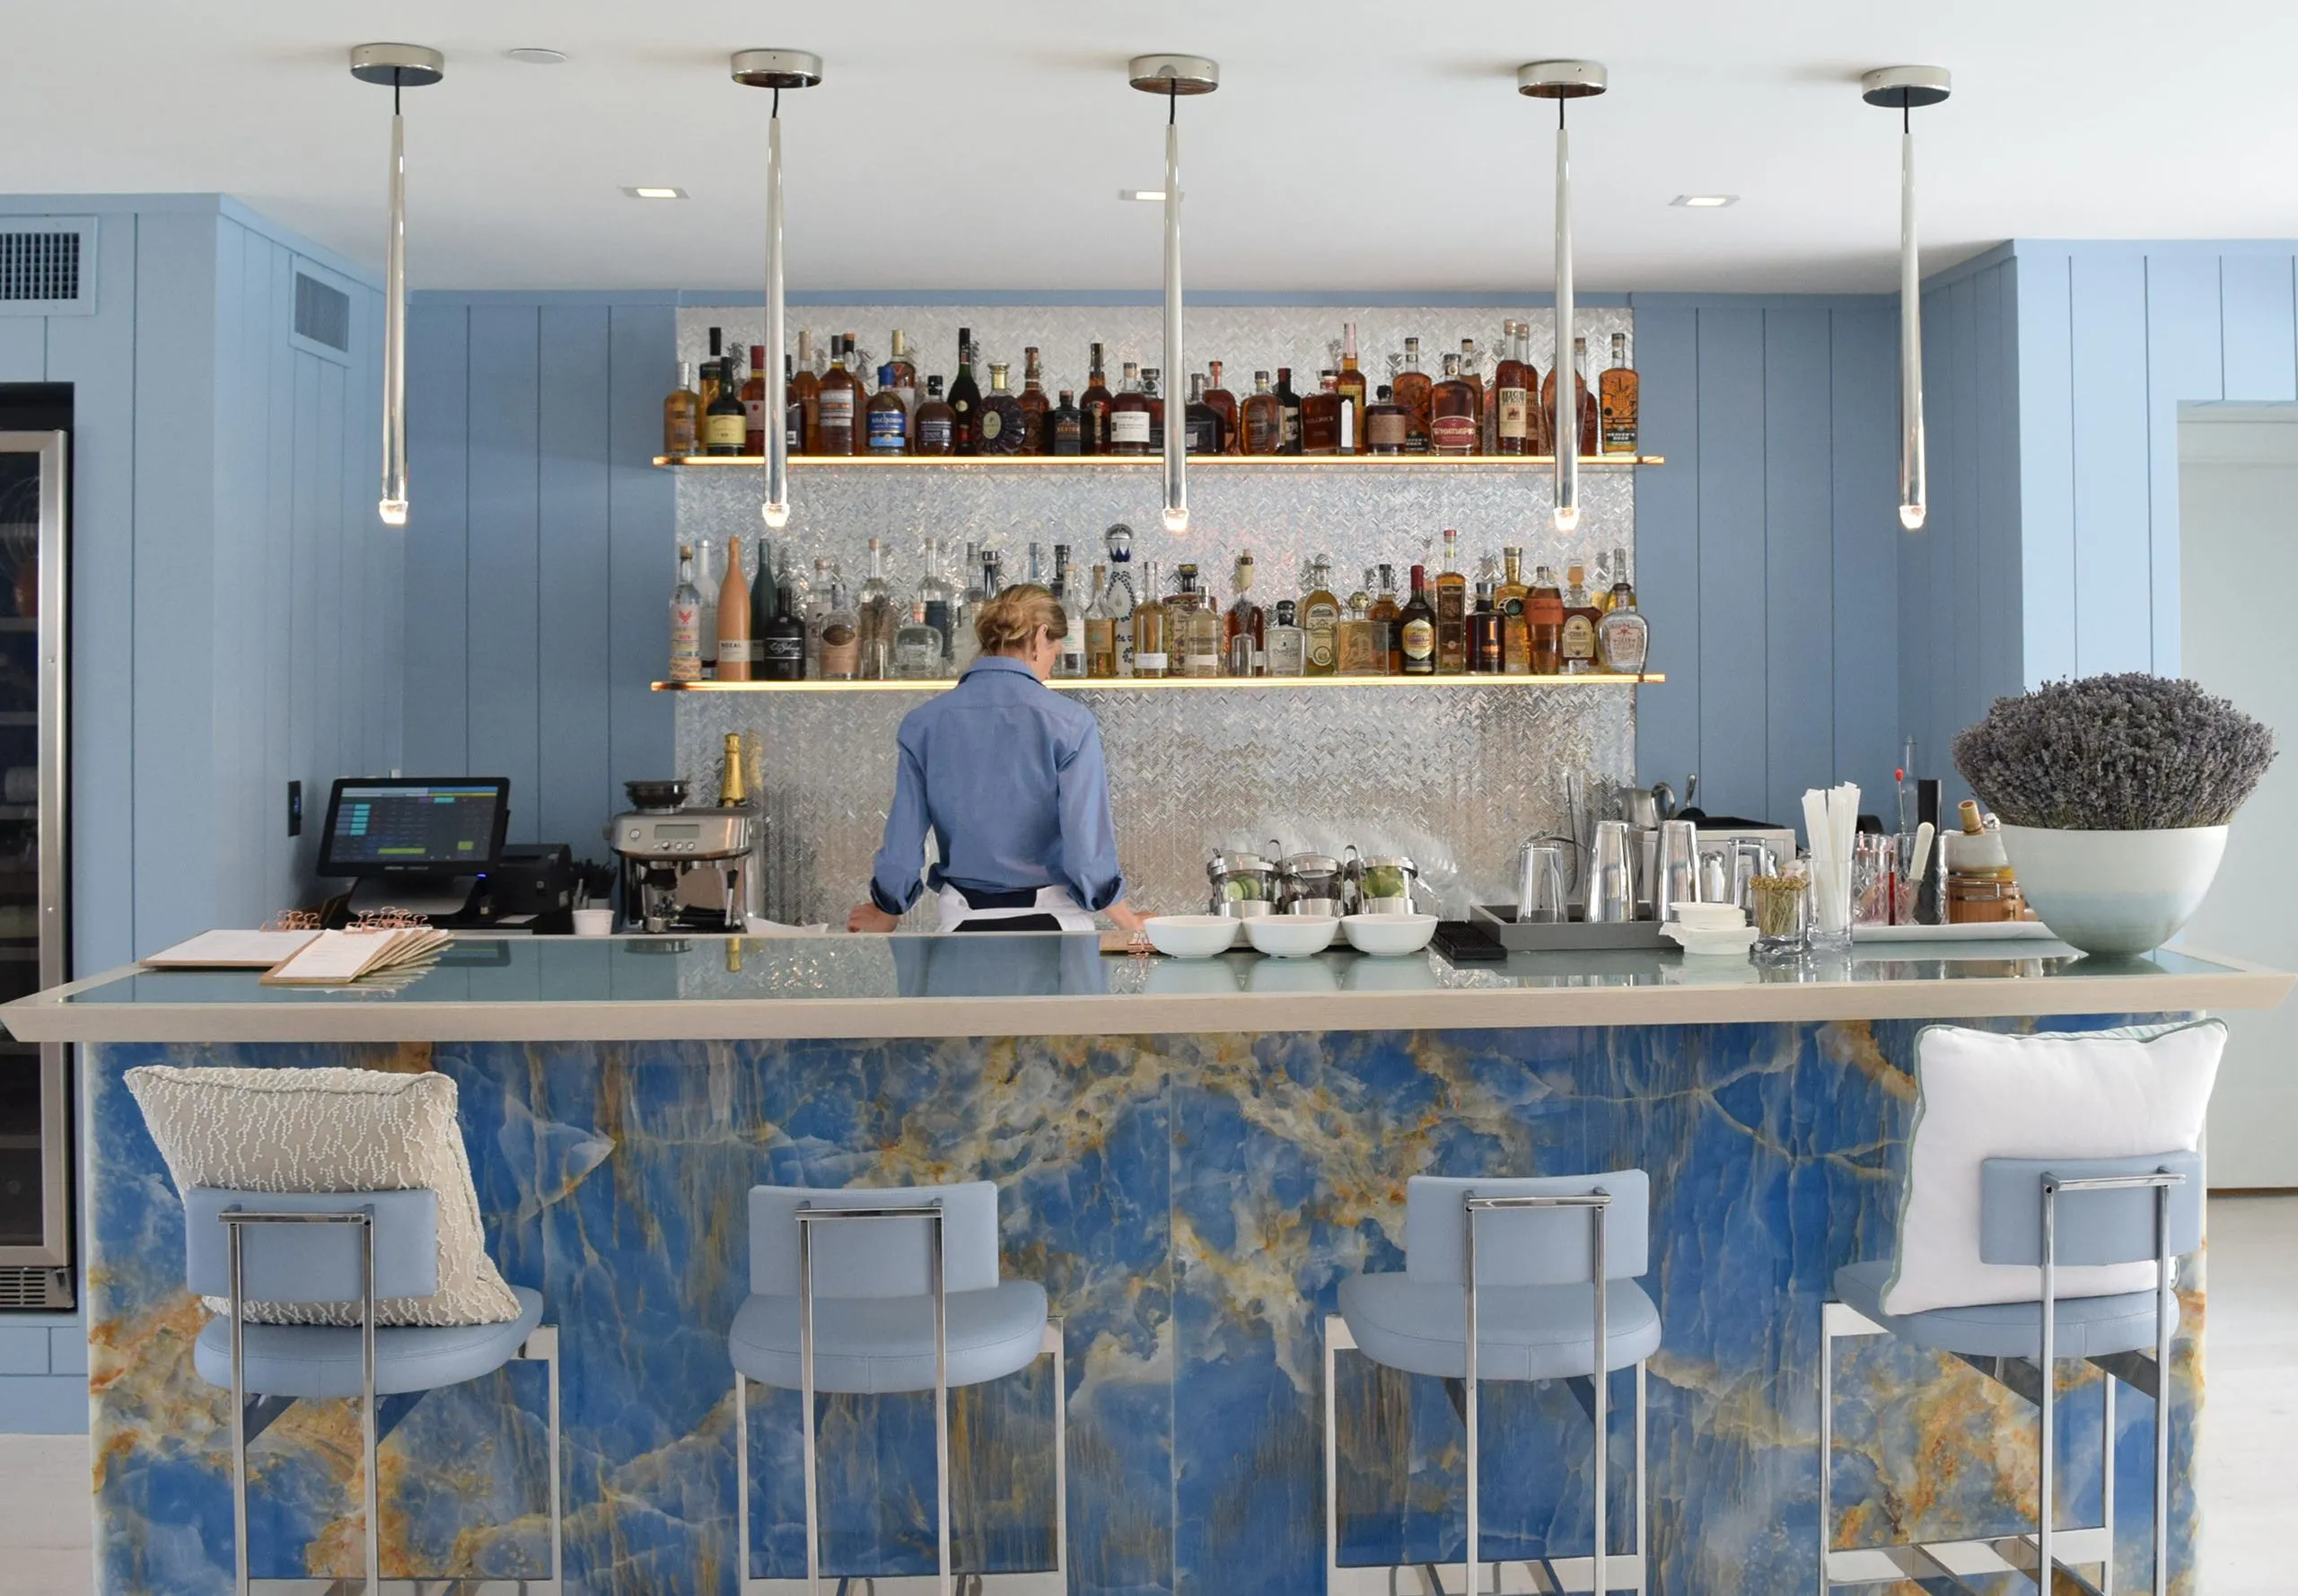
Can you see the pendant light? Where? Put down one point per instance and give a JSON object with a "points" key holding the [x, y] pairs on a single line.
{"points": [[1902, 89], [396, 66], [1561, 81], [1174, 76], [777, 70]]}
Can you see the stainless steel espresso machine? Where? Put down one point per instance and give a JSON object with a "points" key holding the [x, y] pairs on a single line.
{"points": [[687, 869]]}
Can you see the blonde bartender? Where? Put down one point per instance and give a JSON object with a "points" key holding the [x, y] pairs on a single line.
{"points": [[1008, 776]]}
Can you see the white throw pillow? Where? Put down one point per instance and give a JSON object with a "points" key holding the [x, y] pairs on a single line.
{"points": [[332, 1130], [2060, 1094]]}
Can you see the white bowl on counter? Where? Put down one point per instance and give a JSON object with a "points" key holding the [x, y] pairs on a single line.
{"points": [[1388, 937], [1720, 942], [1189, 936], [1292, 936], [1710, 917]]}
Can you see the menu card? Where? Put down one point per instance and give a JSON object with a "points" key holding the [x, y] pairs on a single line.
{"points": [[340, 957]]}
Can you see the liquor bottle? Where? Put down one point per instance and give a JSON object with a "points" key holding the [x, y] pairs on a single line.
{"points": [[964, 398], [806, 391], [1036, 578], [734, 612], [1156, 402], [1205, 435], [1512, 386], [714, 370], [1515, 626], [1100, 630], [1472, 373], [1218, 396], [1034, 403], [1321, 418], [1587, 400], [918, 647], [794, 414], [1600, 586], [1622, 588], [1579, 619], [1388, 624], [1385, 423], [1356, 651], [1543, 623], [686, 621], [1624, 637], [841, 403], [936, 422], [826, 577], [1069, 656], [1152, 644], [841, 638], [974, 589], [1320, 618], [1289, 413], [936, 594], [905, 382], [1129, 416], [887, 420], [1484, 631], [1417, 633], [682, 417], [874, 609], [763, 604], [1095, 403], [1352, 386], [1196, 628], [706, 577], [1264, 419], [1245, 628], [1002, 427], [782, 642], [1617, 400], [726, 425], [1122, 599], [1287, 643], [754, 404], [1453, 424], [1451, 605], [1064, 427], [1412, 389]]}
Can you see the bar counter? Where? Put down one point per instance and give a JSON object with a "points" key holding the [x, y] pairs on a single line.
{"points": [[1190, 1159]]}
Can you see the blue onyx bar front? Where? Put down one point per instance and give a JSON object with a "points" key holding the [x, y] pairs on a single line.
{"points": [[1190, 1202]]}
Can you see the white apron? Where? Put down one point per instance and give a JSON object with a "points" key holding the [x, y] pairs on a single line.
{"points": [[1051, 901]]}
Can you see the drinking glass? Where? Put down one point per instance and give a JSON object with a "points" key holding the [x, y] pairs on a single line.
{"points": [[1679, 869], [1612, 876], [1540, 882]]}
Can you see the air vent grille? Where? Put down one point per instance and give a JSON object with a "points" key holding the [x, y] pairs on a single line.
{"points": [[322, 314], [39, 265], [35, 1288]]}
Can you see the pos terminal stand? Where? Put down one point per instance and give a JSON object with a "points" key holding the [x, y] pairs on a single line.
{"points": [[423, 845]]}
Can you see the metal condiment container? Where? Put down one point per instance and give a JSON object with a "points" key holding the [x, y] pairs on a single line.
{"points": [[1244, 885], [1383, 884], [1313, 885]]}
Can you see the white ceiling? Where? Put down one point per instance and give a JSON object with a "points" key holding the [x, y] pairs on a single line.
{"points": [[1355, 145]]}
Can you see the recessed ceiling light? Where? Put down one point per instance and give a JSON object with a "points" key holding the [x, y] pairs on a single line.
{"points": [[656, 193], [535, 55], [1704, 202], [1155, 194]]}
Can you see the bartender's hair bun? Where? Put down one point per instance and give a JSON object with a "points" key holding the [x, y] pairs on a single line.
{"points": [[1007, 622]]}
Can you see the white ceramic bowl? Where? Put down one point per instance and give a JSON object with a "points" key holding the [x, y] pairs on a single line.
{"points": [[1388, 937], [1189, 936], [1711, 916], [1292, 936], [2115, 891], [1723, 942]]}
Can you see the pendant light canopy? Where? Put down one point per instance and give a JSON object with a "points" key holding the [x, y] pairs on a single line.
{"points": [[396, 66], [1174, 76], [777, 70], [1902, 89], [1561, 81]]}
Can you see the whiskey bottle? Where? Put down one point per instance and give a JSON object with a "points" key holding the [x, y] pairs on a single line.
{"points": [[733, 611], [1035, 406], [841, 403], [1004, 426], [1320, 619], [1287, 650], [918, 647], [682, 417], [1321, 421], [1617, 400], [1101, 631], [1484, 631], [1289, 412], [1587, 401], [1264, 419], [782, 642], [1384, 424], [725, 424], [1156, 402], [1354, 646], [1624, 637], [806, 392], [1509, 600], [936, 422], [1412, 389], [1451, 606], [1453, 423], [1351, 384], [1244, 628], [1129, 416], [905, 382], [964, 398], [1064, 427], [1118, 541], [1579, 619], [1417, 631], [1225, 403], [686, 621], [714, 369], [754, 405], [1196, 628], [1512, 386], [794, 414], [1094, 404], [1472, 373], [888, 420], [1152, 646], [1205, 435], [1387, 622], [841, 638], [1543, 623]]}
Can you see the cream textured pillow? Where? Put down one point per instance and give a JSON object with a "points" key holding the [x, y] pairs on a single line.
{"points": [[331, 1130], [2061, 1095]]}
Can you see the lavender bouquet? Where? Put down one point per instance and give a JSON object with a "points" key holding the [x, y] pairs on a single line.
{"points": [[2133, 752]]}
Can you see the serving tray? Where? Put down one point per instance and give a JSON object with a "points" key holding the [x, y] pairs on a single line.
{"points": [[1573, 936]]}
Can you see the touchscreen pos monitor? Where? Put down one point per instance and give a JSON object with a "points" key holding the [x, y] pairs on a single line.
{"points": [[423, 843]]}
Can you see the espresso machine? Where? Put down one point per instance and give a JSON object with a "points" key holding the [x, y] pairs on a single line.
{"points": [[687, 869]]}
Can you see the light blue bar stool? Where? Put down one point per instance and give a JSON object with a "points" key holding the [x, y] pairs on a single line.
{"points": [[1498, 1284], [2068, 1213], [886, 1290], [342, 1247]]}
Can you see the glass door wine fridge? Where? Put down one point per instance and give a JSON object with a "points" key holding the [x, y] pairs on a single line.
{"points": [[35, 1113]]}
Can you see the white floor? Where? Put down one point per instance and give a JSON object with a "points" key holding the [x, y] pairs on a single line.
{"points": [[2250, 1430]]}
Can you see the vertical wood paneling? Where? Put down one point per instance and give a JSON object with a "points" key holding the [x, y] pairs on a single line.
{"points": [[2183, 323], [437, 575], [2046, 465], [642, 557], [1995, 602], [504, 549], [2114, 560], [575, 610], [1734, 775], [1954, 622], [1863, 393], [243, 259], [1799, 559], [281, 665], [322, 546], [2257, 340], [1667, 540], [303, 635]]}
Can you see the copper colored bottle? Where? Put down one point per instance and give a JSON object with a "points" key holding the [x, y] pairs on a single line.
{"points": [[806, 392], [1035, 406], [931, 429], [1128, 430], [1544, 613], [1320, 416], [1513, 383], [754, 405], [1351, 386], [1219, 396], [1095, 403], [1411, 390], [1587, 400], [1264, 419], [841, 406], [1453, 412]]}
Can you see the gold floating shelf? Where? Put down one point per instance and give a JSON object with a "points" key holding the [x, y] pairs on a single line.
{"points": [[1151, 463], [1178, 683]]}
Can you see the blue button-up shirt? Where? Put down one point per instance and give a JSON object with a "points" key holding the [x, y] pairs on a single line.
{"points": [[1009, 776]]}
